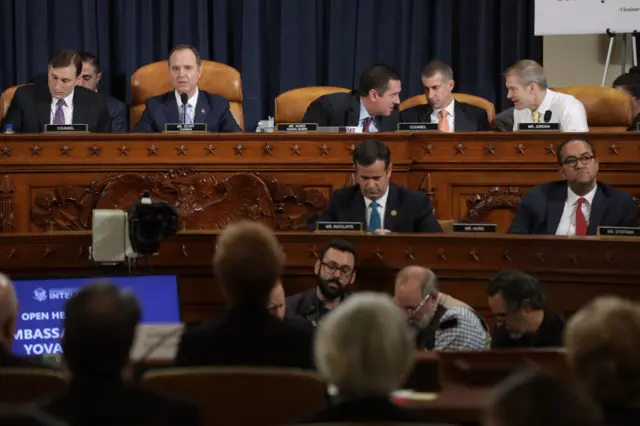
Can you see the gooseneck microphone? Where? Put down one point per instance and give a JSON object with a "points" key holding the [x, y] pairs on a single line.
{"points": [[547, 116], [184, 98]]}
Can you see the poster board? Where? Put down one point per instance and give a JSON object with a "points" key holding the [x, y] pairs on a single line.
{"points": [[561, 17]]}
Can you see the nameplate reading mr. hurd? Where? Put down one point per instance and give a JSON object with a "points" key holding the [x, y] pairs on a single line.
{"points": [[297, 127], [539, 126], [185, 128], [618, 231], [339, 226], [66, 128], [418, 127], [479, 228]]}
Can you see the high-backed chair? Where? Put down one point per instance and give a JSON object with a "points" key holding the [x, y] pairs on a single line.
{"points": [[608, 110], [5, 100], [291, 105], [154, 79], [459, 97]]}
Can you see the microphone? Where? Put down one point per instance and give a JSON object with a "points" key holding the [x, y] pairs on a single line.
{"points": [[184, 98], [547, 116]]}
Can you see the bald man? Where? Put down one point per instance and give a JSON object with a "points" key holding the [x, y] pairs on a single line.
{"points": [[441, 322]]}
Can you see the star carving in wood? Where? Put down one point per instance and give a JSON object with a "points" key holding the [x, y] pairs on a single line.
{"points": [[324, 149], [65, 150], [378, 252], [152, 151], [80, 252], [507, 255], [313, 252], [295, 149], [351, 148], [441, 254], [540, 257], [267, 149], [184, 250], [211, 150], [614, 149], [520, 148], [35, 150], [551, 149], [490, 149], [409, 254], [239, 149], [124, 150], [181, 150], [573, 257], [6, 151], [608, 256], [12, 253], [474, 255], [94, 150], [460, 149], [428, 149], [47, 251]]}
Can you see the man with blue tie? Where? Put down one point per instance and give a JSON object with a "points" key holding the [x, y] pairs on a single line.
{"points": [[375, 202], [186, 103]]}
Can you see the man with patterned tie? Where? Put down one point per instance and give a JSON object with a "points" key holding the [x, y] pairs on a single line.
{"points": [[379, 205], [441, 108], [577, 205], [61, 102], [185, 68]]}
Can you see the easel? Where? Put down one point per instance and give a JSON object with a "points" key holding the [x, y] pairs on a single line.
{"points": [[612, 37]]}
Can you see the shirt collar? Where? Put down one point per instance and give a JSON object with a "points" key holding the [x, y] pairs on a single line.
{"points": [[546, 102], [572, 197], [192, 100], [68, 100], [449, 108], [382, 201], [363, 112]]}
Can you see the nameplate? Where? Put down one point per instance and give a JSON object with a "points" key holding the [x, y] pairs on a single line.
{"points": [[418, 127], [340, 129], [539, 126], [618, 231], [480, 228], [182, 128], [66, 128], [339, 226], [297, 127]]}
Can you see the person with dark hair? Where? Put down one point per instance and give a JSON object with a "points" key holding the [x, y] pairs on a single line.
{"points": [[185, 68], [379, 205], [372, 107], [522, 317], [62, 102], [99, 327], [90, 78], [441, 107], [335, 271], [577, 205], [630, 83]]}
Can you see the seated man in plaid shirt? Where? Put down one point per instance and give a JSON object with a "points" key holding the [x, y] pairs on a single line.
{"points": [[441, 322]]}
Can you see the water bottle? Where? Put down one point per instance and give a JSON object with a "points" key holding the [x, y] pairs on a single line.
{"points": [[8, 128]]}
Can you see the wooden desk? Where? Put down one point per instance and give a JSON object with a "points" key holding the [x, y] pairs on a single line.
{"points": [[52, 182]]}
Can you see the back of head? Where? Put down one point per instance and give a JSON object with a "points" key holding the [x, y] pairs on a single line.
{"points": [[624, 81], [534, 398], [436, 67], [364, 346], [370, 151], [377, 78], [603, 347], [8, 311], [99, 328], [516, 287], [247, 262], [90, 58], [64, 58], [528, 71]]}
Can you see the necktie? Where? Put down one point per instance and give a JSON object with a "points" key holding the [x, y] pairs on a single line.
{"points": [[58, 117], [186, 111], [374, 219], [366, 123], [443, 125], [536, 116], [581, 221]]}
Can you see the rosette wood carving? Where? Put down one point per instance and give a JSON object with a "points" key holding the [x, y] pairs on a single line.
{"points": [[479, 206]]}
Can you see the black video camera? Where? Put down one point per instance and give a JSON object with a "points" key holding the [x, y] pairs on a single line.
{"points": [[150, 222]]}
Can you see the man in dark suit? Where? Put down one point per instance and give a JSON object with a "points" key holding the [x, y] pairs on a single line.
{"points": [[441, 108], [380, 206], [100, 325], [62, 102], [372, 107], [90, 79], [248, 262], [577, 205], [201, 107]]}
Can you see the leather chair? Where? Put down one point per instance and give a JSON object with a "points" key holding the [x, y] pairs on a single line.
{"points": [[291, 105], [5, 100], [154, 79], [459, 97], [608, 110]]}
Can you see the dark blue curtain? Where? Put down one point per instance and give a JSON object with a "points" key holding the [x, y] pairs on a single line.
{"points": [[277, 45]]}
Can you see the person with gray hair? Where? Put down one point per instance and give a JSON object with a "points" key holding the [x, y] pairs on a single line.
{"points": [[534, 102], [364, 349], [441, 107], [441, 322]]}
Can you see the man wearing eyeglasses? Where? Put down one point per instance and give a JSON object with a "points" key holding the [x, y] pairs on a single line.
{"points": [[441, 322], [335, 271], [577, 205]]}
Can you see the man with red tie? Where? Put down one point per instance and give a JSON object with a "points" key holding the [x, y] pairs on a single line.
{"points": [[577, 205]]}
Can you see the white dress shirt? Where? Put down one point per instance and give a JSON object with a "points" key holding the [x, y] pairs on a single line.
{"points": [[67, 110], [193, 101], [567, 225], [565, 109], [382, 203], [365, 114], [435, 115]]}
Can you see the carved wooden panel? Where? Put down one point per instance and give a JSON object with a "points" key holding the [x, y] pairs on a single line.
{"points": [[7, 215]]}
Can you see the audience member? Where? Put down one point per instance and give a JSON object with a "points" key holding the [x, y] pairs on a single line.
{"points": [[99, 327], [441, 322], [277, 307], [248, 263], [630, 83], [522, 317]]}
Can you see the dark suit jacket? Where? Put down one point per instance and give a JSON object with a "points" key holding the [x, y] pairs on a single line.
{"points": [[247, 336], [99, 402], [504, 120], [210, 109], [413, 210], [30, 109], [118, 114], [541, 209], [379, 409], [343, 109], [634, 125], [467, 118]]}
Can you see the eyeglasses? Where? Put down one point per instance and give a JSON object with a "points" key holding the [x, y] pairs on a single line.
{"points": [[411, 312], [573, 161], [332, 267]]}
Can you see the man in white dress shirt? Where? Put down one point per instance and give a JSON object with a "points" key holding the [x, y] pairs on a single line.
{"points": [[577, 205], [526, 83]]}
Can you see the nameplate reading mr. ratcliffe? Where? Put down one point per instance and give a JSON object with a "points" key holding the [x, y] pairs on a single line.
{"points": [[297, 127], [66, 128], [418, 127], [479, 228], [185, 128], [555, 127], [339, 226], [618, 231]]}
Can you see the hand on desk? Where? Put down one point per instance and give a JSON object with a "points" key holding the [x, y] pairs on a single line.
{"points": [[382, 232]]}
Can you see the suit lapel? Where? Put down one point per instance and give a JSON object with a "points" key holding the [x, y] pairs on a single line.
{"points": [[392, 205], [461, 121], [358, 208], [353, 115], [598, 209], [79, 113], [171, 109], [43, 107], [556, 207], [202, 108]]}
